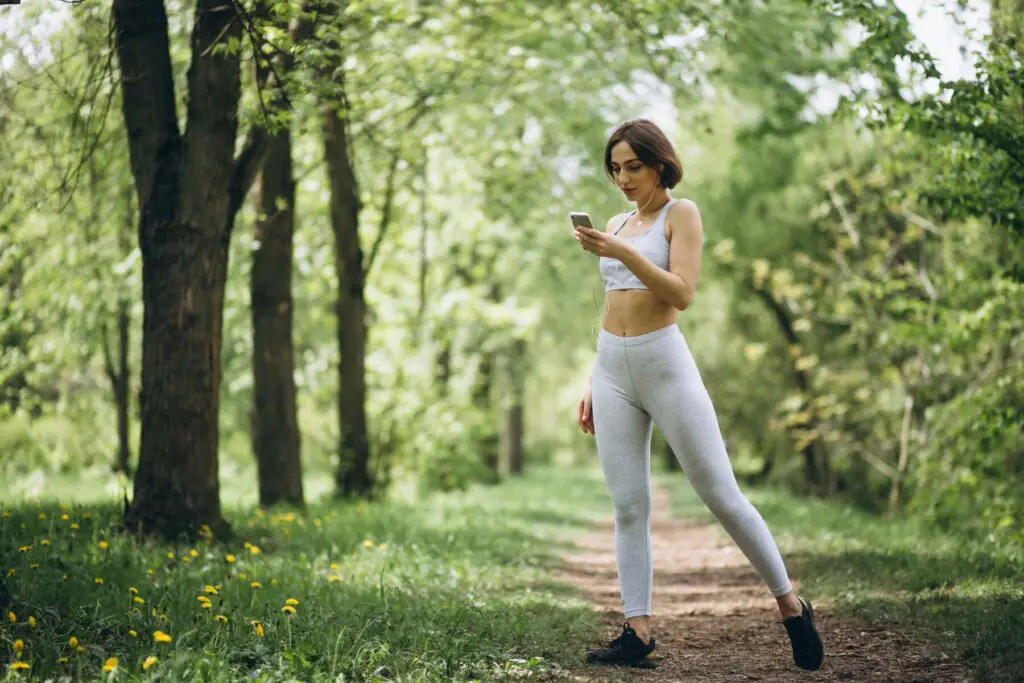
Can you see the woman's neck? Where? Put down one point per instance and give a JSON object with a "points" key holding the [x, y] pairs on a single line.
{"points": [[649, 208]]}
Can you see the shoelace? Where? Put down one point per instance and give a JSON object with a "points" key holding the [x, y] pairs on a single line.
{"points": [[622, 637]]}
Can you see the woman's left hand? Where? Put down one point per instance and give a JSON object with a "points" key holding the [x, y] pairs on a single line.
{"points": [[601, 243]]}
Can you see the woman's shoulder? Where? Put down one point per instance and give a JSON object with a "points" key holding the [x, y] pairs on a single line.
{"points": [[615, 221], [683, 207], [683, 215]]}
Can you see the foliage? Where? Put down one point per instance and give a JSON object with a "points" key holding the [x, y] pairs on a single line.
{"points": [[453, 587]]}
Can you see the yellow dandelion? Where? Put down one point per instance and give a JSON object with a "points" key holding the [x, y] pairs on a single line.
{"points": [[32, 622], [133, 590], [291, 601], [133, 633], [19, 645], [110, 664], [193, 553], [74, 525], [170, 556], [255, 549], [368, 544], [161, 637], [229, 558], [12, 617], [62, 660], [256, 584], [205, 605], [288, 609], [150, 661], [103, 546], [44, 541], [138, 601], [24, 549], [202, 598], [212, 590], [222, 619], [149, 571], [64, 517], [259, 628], [333, 578], [20, 666], [73, 642], [334, 566], [99, 581]]}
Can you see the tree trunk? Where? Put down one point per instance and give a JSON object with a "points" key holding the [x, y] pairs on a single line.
{"points": [[353, 477], [119, 376], [512, 434], [276, 439], [816, 465], [189, 188]]}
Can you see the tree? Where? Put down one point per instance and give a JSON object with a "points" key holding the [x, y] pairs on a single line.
{"points": [[276, 439], [189, 187]]}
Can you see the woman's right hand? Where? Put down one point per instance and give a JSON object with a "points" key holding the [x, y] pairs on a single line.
{"points": [[585, 413]]}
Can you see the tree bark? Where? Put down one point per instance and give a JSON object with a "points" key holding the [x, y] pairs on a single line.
{"points": [[512, 434], [189, 188], [353, 477], [276, 438]]}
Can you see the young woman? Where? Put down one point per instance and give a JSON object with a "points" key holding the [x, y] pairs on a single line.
{"points": [[644, 374]]}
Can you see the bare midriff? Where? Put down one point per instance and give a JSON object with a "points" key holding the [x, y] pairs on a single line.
{"points": [[632, 312]]}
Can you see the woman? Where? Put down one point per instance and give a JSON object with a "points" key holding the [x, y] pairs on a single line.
{"points": [[650, 261]]}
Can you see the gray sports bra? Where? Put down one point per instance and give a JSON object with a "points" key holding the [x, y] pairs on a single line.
{"points": [[651, 243]]}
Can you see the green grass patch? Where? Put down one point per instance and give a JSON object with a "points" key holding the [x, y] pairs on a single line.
{"points": [[456, 587], [964, 595]]}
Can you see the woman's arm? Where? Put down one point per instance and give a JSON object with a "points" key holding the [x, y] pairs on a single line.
{"points": [[678, 284]]}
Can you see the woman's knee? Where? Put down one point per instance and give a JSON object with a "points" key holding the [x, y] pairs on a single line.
{"points": [[630, 508], [727, 502]]}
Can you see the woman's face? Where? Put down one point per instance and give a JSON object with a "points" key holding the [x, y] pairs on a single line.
{"points": [[631, 175]]}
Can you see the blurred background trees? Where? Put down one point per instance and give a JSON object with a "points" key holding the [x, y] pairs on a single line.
{"points": [[404, 309]]}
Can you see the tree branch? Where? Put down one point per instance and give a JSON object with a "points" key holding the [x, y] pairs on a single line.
{"points": [[246, 168], [250, 159], [148, 103], [385, 215]]}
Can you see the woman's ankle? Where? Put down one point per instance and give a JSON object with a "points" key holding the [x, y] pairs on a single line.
{"points": [[642, 626], [789, 605]]}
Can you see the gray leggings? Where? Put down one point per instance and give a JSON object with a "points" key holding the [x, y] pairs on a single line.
{"points": [[653, 376]]}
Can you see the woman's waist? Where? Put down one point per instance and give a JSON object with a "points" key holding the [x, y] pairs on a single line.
{"points": [[634, 312]]}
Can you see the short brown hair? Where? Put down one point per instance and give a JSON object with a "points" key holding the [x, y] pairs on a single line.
{"points": [[650, 146]]}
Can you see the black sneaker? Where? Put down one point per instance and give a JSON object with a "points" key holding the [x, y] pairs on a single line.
{"points": [[808, 650], [627, 650]]}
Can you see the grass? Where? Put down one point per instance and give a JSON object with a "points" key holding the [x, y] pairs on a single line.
{"points": [[965, 595], [458, 587]]}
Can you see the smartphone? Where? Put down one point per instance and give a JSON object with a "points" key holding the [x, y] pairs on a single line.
{"points": [[579, 218]]}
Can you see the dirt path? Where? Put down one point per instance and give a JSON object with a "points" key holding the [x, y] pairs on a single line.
{"points": [[714, 623]]}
